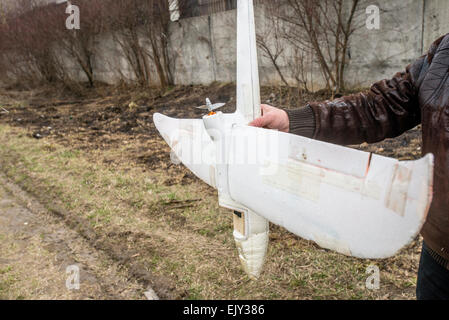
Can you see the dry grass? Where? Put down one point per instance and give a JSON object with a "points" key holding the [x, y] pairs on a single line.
{"points": [[179, 233], [36, 249]]}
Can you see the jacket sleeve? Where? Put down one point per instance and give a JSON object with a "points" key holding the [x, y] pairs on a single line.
{"points": [[386, 110]]}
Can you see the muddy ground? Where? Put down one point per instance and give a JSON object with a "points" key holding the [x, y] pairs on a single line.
{"points": [[38, 250], [107, 119]]}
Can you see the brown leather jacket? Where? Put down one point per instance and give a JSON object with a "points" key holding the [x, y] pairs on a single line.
{"points": [[419, 95]]}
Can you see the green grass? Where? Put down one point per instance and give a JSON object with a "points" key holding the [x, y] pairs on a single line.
{"points": [[7, 279]]}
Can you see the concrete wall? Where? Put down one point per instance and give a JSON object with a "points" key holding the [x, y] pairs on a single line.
{"points": [[203, 48], [379, 54], [436, 20]]}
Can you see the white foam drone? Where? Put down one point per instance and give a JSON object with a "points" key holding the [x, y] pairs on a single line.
{"points": [[356, 203]]}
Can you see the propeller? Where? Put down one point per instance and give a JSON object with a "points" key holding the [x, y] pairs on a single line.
{"points": [[211, 107]]}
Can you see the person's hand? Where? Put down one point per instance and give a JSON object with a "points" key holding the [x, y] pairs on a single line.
{"points": [[272, 118]]}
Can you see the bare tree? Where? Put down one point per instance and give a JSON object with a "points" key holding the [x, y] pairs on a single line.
{"points": [[79, 45], [324, 27], [26, 44], [124, 22], [270, 42], [141, 28], [36, 43], [157, 31]]}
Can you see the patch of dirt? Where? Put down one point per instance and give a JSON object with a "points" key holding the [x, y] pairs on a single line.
{"points": [[37, 249], [113, 120], [122, 248]]}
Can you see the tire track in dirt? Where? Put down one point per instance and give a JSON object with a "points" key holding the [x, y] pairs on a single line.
{"points": [[36, 248]]}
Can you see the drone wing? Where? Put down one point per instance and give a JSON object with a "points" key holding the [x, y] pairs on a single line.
{"points": [[190, 142]]}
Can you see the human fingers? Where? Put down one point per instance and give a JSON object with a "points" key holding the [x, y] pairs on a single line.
{"points": [[259, 122]]}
